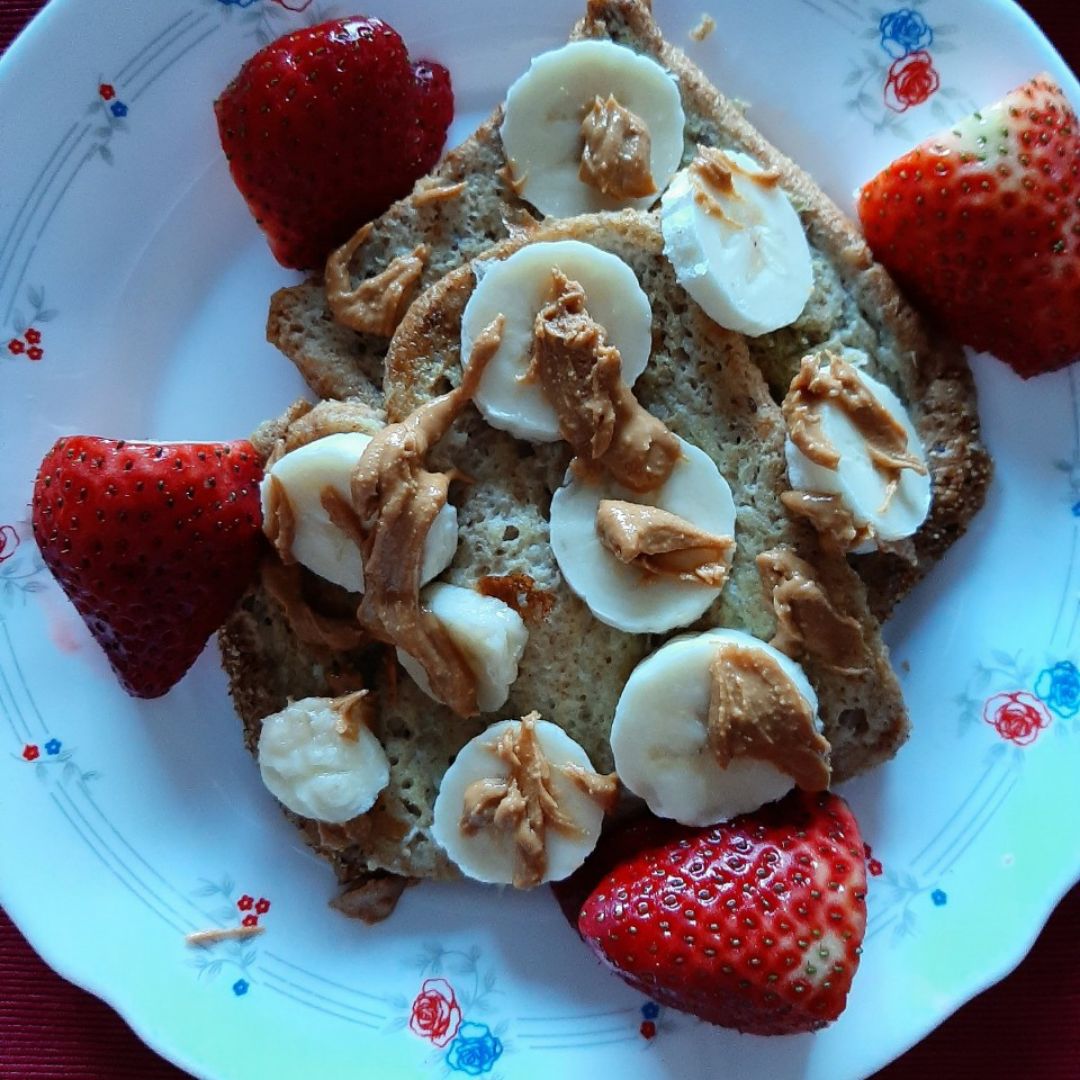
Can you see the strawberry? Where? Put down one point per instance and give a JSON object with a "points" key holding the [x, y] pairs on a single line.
{"points": [[755, 924], [326, 127], [153, 544], [981, 226]]}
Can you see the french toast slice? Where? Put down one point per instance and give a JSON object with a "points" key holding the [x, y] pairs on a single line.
{"points": [[702, 383], [854, 306]]}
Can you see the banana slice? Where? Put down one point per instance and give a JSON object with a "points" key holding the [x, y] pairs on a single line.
{"points": [[517, 288], [483, 837], [622, 595], [862, 487], [542, 124], [736, 243], [311, 763], [660, 741], [490, 634], [317, 543]]}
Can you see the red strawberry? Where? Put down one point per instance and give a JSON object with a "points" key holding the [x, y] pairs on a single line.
{"points": [[981, 226], [326, 127], [755, 924], [154, 544]]}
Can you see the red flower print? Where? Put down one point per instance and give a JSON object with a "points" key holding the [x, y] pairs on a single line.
{"points": [[648, 1029], [262, 905], [34, 353], [912, 79], [33, 336], [31, 752], [1017, 717], [9, 541], [15, 346], [106, 91], [245, 903], [436, 1014], [250, 920]]}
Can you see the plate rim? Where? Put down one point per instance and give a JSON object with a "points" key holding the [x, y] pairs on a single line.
{"points": [[159, 1040]]}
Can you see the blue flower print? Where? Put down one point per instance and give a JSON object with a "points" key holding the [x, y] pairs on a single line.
{"points": [[939, 898], [1076, 509], [1058, 686], [650, 1010], [903, 32], [474, 1050], [52, 747], [237, 3], [240, 987], [118, 109]]}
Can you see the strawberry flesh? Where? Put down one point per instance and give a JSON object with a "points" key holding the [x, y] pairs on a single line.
{"points": [[153, 543], [326, 127], [980, 225], [755, 924]]}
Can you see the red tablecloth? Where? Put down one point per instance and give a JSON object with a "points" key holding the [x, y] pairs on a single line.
{"points": [[1026, 1027]]}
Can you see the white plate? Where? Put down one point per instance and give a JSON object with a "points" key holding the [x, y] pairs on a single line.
{"points": [[125, 247]]}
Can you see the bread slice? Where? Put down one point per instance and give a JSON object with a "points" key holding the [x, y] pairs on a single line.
{"points": [[855, 305], [702, 383]]}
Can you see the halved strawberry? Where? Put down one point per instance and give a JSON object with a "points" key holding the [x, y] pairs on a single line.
{"points": [[755, 924], [326, 127], [981, 226], [154, 544]]}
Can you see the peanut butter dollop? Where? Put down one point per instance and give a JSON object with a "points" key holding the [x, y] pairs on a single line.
{"points": [[522, 803], [395, 499], [581, 375], [834, 522], [378, 303], [660, 542], [828, 379], [756, 711], [616, 156], [806, 621]]}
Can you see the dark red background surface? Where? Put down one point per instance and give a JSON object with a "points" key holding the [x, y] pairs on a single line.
{"points": [[1026, 1027]]}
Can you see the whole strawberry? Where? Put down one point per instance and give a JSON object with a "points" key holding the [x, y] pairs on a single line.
{"points": [[153, 543], [981, 226], [326, 127], [755, 924]]}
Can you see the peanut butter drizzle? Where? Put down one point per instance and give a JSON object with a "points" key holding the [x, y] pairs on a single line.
{"points": [[519, 592], [806, 621], [395, 499], [581, 375], [712, 171], [756, 711], [354, 711], [522, 803], [662, 543], [615, 158], [280, 525], [508, 175], [826, 378], [833, 521], [378, 303], [437, 192], [602, 788], [282, 584], [341, 514]]}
